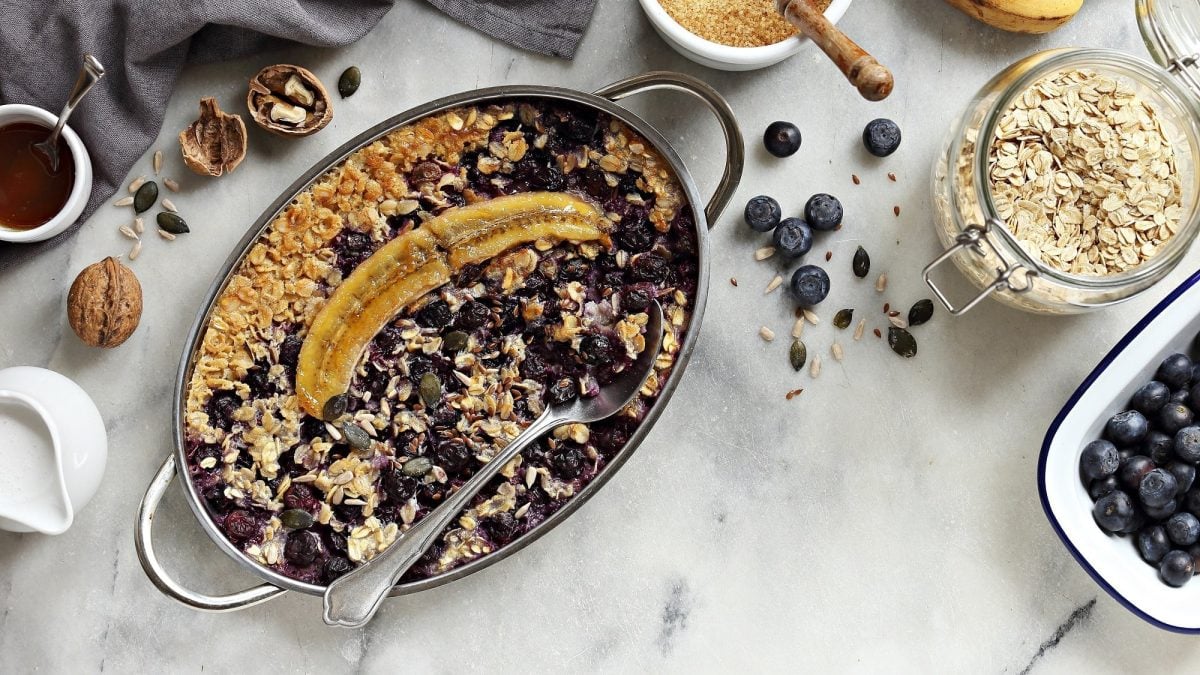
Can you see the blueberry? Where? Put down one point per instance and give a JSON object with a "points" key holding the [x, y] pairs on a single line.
{"points": [[823, 212], [1183, 528], [335, 567], [436, 314], [1161, 513], [1185, 475], [473, 315], [1133, 470], [1150, 398], [1181, 397], [782, 139], [1127, 428], [1175, 371], [1099, 459], [1187, 444], [1177, 568], [302, 547], [793, 238], [597, 350], [882, 137], [1196, 369], [452, 455], [1191, 501], [1158, 446], [562, 391], [241, 526], [1157, 488], [1174, 417], [1153, 544], [650, 267], [810, 285], [1103, 486], [568, 461], [1114, 511], [762, 213]]}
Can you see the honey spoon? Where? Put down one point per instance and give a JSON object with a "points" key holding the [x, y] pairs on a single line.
{"points": [[91, 72], [353, 599]]}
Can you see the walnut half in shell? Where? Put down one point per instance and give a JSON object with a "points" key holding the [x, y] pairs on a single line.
{"points": [[215, 143], [289, 100]]}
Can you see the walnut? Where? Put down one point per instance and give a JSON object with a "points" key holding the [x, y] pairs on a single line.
{"points": [[104, 305], [288, 100], [215, 143]]}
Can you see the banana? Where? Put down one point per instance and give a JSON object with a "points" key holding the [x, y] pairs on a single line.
{"points": [[419, 262], [1021, 16]]}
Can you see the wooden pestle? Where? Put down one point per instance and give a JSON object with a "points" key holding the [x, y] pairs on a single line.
{"points": [[870, 77]]}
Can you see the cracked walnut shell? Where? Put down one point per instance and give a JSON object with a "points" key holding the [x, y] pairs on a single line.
{"points": [[215, 143], [104, 305], [289, 101]]}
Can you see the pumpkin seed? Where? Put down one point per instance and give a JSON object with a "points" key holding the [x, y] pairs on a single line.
{"points": [[798, 354], [171, 222], [296, 519], [843, 318], [335, 407], [861, 263], [902, 342], [416, 467], [430, 389], [356, 436], [921, 312], [145, 197], [349, 81], [455, 340]]}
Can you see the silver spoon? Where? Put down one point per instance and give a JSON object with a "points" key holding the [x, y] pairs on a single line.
{"points": [[353, 599], [91, 72]]}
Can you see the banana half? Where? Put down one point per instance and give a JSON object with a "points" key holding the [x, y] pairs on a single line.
{"points": [[1021, 16], [418, 262]]}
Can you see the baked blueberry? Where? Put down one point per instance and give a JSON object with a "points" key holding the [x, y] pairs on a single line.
{"points": [[1174, 417], [823, 212], [1175, 371], [1133, 470], [1177, 568], [334, 568], [810, 285], [782, 139], [1153, 544], [597, 350], [1100, 487], [1157, 488], [762, 213], [793, 238], [241, 526], [1150, 398], [436, 314], [881, 137], [1185, 476], [302, 547], [1114, 511], [1099, 459], [1187, 444], [1158, 447], [1127, 428], [1183, 528]]}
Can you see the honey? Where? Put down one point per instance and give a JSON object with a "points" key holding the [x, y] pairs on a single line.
{"points": [[31, 194]]}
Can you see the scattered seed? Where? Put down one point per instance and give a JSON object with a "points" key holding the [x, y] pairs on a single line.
{"points": [[898, 321], [733, 281], [166, 235], [896, 210], [123, 201], [136, 183], [136, 250], [766, 333], [843, 318], [815, 368], [764, 253], [169, 205], [891, 176], [881, 283], [858, 332], [862, 263], [171, 222], [296, 519], [139, 225], [811, 316], [797, 355], [171, 185], [349, 82], [335, 407], [157, 162], [455, 340], [902, 342], [878, 334], [146, 195], [356, 436], [854, 177], [921, 312], [887, 307], [828, 256], [836, 350], [893, 313], [128, 232], [430, 389], [775, 283], [794, 393], [417, 466], [798, 328]]}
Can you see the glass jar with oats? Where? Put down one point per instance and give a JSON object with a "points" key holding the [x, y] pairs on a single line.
{"points": [[1072, 182]]}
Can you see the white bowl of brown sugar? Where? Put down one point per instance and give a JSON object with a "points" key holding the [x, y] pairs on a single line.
{"points": [[731, 34]]}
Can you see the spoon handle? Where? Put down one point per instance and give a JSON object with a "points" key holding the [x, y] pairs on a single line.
{"points": [[353, 599], [872, 79], [90, 74]]}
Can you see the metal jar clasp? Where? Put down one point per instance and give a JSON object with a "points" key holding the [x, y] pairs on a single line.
{"points": [[975, 238]]}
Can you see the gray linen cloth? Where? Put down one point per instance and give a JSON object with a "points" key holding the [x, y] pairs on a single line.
{"points": [[144, 45]]}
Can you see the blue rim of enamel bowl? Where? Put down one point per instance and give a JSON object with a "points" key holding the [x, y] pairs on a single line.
{"points": [[1053, 431]]}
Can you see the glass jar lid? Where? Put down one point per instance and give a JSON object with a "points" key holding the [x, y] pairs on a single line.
{"points": [[1171, 30]]}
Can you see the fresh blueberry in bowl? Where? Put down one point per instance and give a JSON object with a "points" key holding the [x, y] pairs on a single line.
{"points": [[810, 285], [1161, 513], [881, 137], [1102, 486], [1133, 470], [1127, 428], [1114, 511], [1183, 529], [1150, 398], [793, 238], [782, 139], [1173, 417], [823, 212], [1187, 444], [1153, 544], [1175, 371], [1177, 568], [1158, 446], [1157, 488], [1185, 476], [762, 213], [1099, 459]]}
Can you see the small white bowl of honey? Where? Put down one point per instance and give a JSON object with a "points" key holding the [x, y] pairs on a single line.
{"points": [[37, 203]]}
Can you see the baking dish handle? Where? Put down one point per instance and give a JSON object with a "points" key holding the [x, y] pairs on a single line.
{"points": [[735, 147], [160, 578]]}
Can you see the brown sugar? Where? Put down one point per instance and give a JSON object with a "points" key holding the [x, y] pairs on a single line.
{"points": [[736, 23]]}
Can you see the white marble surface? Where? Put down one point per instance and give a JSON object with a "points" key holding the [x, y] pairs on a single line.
{"points": [[887, 519]]}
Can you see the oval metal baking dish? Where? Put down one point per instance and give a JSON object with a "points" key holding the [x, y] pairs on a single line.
{"points": [[603, 100]]}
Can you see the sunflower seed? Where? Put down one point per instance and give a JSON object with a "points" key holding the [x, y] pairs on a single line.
{"points": [[775, 283], [843, 318], [520, 512], [811, 316], [798, 327], [334, 432], [157, 162], [898, 321], [136, 183], [858, 332], [836, 349], [797, 355], [766, 333], [881, 283], [815, 368], [171, 185], [169, 205], [124, 201], [862, 263], [902, 342], [921, 312], [128, 232], [139, 225], [136, 250], [764, 253], [166, 235]]}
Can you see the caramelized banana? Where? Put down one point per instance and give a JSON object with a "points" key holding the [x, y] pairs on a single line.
{"points": [[419, 262]]}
